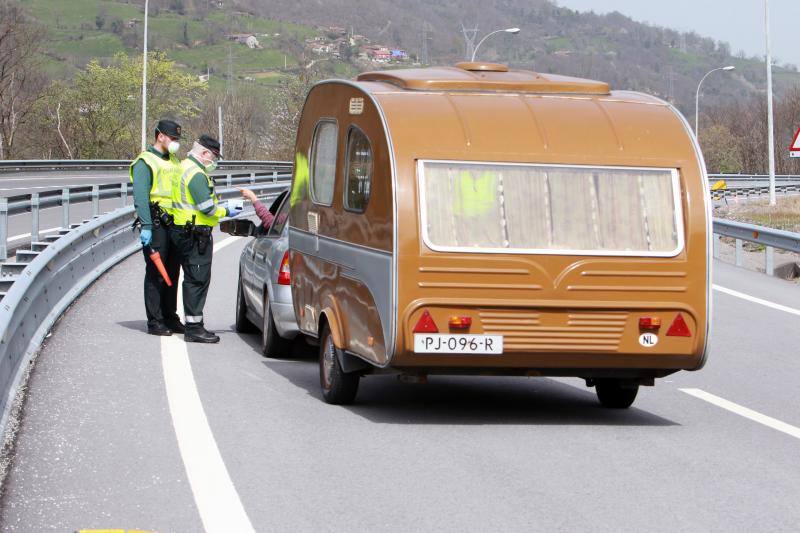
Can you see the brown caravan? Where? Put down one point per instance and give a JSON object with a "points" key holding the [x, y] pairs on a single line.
{"points": [[481, 220]]}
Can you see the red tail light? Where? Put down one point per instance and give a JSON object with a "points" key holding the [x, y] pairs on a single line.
{"points": [[460, 322], [649, 322], [426, 324], [284, 276], [679, 328]]}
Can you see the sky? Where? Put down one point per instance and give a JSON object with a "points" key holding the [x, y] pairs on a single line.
{"points": [[738, 22]]}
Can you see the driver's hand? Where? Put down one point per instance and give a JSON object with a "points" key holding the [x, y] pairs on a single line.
{"points": [[248, 194]]}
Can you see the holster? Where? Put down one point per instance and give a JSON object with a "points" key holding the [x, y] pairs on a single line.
{"points": [[203, 236]]}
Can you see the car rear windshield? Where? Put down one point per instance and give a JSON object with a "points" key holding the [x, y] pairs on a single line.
{"points": [[576, 210]]}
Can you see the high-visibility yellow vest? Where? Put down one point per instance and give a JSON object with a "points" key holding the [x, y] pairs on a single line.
{"points": [[476, 195], [184, 208], [300, 184], [164, 172]]}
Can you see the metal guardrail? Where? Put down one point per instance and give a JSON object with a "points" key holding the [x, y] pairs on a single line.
{"points": [[770, 238], [753, 184], [64, 198], [45, 280], [21, 165]]}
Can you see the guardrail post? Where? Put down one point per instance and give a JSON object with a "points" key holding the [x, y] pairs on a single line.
{"points": [[715, 242], [3, 228], [275, 176], [229, 179], [95, 200], [35, 217], [739, 252], [65, 208], [252, 177], [123, 193], [770, 261]]}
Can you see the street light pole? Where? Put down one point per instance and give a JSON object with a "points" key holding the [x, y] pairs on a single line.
{"points": [[512, 31], [697, 99], [770, 116], [144, 80]]}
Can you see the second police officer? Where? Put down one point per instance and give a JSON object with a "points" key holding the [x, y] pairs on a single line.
{"points": [[196, 210]]}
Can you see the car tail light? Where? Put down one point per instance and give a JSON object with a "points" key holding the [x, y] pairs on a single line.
{"points": [[649, 322], [284, 276], [460, 322], [426, 324], [679, 328]]}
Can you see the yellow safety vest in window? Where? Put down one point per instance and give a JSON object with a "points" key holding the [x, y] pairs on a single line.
{"points": [[183, 205], [476, 195], [164, 172]]}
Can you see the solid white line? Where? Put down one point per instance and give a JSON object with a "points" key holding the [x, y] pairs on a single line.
{"points": [[759, 301], [225, 242], [755, 416], [217, 501], [216, 498], [27, 235]]}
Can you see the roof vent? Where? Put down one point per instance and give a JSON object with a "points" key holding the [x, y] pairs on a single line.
{"points": [[474, 66]]}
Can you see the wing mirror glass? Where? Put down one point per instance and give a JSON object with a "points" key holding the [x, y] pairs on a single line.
{"points": [[238, 227]]}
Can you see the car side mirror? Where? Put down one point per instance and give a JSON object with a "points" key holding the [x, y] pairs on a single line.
{"points": [[240, 227]]}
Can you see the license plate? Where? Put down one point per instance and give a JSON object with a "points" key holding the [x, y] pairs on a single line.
{"points": [[458, 344]]}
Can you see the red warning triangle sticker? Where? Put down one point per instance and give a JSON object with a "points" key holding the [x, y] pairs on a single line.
{"points": [[679, 328], [794, 151]]}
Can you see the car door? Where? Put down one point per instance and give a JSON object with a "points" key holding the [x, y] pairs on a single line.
{"points": [[263, 261]]}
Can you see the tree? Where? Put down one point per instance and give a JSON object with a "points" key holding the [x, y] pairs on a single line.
{"points": [[99, 116], [286, 104], [722, 150], [21, 83]]}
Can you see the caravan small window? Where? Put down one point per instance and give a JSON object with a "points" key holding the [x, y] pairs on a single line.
{"points": [[525, 208], [359, 171], [323, 166]]}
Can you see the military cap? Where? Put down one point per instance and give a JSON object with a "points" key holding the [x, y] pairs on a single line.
{"points": [[169, 127], [210, 143]]}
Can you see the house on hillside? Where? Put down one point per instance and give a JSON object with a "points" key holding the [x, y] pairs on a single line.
{"points": [[247, 39], [399, 55]]}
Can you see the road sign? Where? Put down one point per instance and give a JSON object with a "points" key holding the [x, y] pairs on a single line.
{"points": [[794, 151]]}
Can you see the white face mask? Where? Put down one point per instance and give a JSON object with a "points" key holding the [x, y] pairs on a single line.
{"points": [[173, 147], [209, 166]]}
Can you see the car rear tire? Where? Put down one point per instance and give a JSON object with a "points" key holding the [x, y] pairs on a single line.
{"points": [[242, 324], [615, 394], [338, 387], [272, 344]]}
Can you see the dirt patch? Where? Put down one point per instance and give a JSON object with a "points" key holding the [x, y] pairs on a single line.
{"points": [[785, 215]]}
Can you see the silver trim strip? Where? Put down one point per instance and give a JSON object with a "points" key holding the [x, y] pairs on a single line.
{"points": [[676, 197]]}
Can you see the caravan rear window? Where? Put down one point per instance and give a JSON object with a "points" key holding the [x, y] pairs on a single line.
{"points": [[574, 210]]}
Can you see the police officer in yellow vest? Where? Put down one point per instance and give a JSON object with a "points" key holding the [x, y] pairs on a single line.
{"points": [[152, 174], [196, 210]]}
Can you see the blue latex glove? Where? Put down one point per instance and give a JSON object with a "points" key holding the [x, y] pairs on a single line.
{"points": [[233, 210], [146, 237]]}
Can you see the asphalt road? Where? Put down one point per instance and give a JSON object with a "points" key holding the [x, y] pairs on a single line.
{"points": [[12, 184], [124, 430]]}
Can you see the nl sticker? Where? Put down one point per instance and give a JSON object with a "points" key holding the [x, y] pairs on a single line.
{"points": [[648, 340]]}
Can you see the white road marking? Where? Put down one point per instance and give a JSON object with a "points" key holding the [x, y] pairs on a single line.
{"points": [[759, 301], [217, 501], [27, 235], [755, 416], [216, 498]]}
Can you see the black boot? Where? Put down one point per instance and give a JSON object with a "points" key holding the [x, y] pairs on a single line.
{"points": [[158, 328], [175, 325], [199, 334]]}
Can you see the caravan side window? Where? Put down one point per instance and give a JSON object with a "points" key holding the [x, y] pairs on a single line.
{"points": [[359, 171], [323, 162]]}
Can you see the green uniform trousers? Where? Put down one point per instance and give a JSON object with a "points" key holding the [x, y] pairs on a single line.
{"points": [[160, 301], [195, 252]]}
